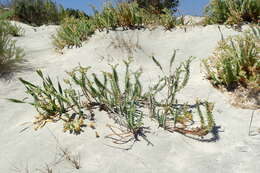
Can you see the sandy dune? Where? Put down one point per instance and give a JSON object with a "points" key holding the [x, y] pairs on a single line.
{"points": [[235, 151]]}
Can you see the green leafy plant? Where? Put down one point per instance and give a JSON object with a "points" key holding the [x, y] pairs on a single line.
{"points": [[54, 104], [106, 19], [235, 65], [171, 115], [130, 15], [36, 12], [10, 55], [124, 101], [73, 32], [107, 93], [69, 12], [125, 15], [236, 61], [158, 5], [232, 11], [10, 28]]}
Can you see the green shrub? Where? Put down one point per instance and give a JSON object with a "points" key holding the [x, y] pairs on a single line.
{"points": [[69, 12], [12, 29], [158, 5], [172, 115], [73, 32], [54, 104], [123, 98], [36, 12], [232, 11], [124, 15], [10, 55], [236, 61]]}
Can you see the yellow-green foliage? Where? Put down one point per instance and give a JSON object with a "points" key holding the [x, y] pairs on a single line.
{"points": [[36, 12], [130, 15], [233, 11], [124, 15], [10, 55], [236, 61], [124, 101], [73, 32]]}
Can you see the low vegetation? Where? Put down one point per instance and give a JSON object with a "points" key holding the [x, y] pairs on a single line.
{"points": [[40, 12], [10, 55], [124, 15], [171, 115], [232, 11], [123, 98], [36, 12], [235, 63], [157, 6], [73, 32]]}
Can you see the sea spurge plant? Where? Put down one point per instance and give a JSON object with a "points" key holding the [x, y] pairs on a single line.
{"points": [[53, 103], [235, 66], [10, 55], [236, 61], [36, 12], [172, 115], [122, 97], [130, 15], [167, 20], [106, 19], [232, 11], [107, 93], [125, 15], [73, 32]]}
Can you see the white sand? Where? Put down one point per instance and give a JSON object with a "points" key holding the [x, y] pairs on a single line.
{"points": [[235, 151]]}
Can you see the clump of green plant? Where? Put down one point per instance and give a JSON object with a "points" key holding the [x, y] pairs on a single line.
{"points": [[232, 11], [69, 12], [105, 19], [10, 55], [124, 15], [171, 115], [73, 32], [107, 93], [36, 12], [124, 101], [130, 15], [10, 28], [235, 64], [236, 61], [54, 104], [157, 6]]}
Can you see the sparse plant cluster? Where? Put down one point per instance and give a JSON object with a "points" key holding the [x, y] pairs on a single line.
{"points": [[54, 104], [10, 55], [172, 115], [232, 11], [157, 6], [69, 12], [236, 62], [12, 29], [124, 15], [123, 99], [73, 32]]}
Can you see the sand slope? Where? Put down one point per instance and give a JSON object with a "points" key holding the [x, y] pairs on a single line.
{"points": [[235, 151]]}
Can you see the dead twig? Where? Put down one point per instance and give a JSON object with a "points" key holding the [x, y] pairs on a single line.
{"points": [[251, 120]]}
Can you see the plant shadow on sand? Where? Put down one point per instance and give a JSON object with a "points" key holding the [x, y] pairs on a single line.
{"points": [[10, 73]]}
